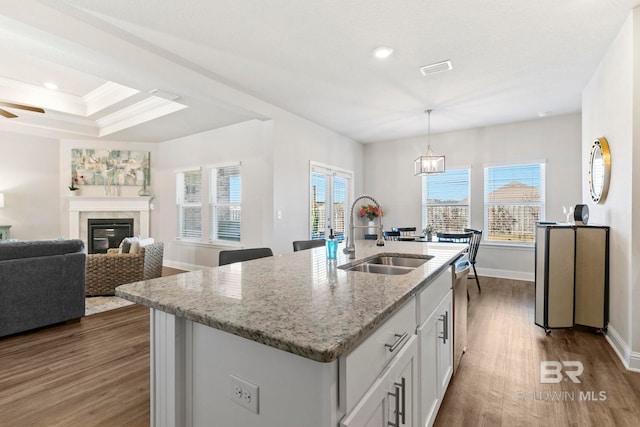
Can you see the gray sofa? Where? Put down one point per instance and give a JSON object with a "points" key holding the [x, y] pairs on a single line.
{"points": [[41, 283]]}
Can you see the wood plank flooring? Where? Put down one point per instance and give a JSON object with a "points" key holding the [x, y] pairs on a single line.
{"points": [[96, 372], [498, 383], [92, 372]]}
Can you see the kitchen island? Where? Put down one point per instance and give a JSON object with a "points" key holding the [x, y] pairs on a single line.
{"points": [[285, 324]]}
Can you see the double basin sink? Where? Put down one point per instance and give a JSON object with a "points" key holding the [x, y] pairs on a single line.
{"points": [[389, 264]]}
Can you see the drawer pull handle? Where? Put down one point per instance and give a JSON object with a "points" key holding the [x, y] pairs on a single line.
{"points": [[399, 339], [396, 396], [444, 336], [402, 386]]}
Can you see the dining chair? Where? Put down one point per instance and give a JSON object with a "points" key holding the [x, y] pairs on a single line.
{"points": [[404, 231], [391, 235], [455, 237], [301, 245], [474, 245], [239, 255]]}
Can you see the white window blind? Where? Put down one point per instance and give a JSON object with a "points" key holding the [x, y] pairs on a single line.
{"points": [[513, 201], [330, 195], [224, 203], [445, 201], [189, 204]]}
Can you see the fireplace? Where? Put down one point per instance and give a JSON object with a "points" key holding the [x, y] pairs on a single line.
{"points": [[107, 233], [84, 207]]}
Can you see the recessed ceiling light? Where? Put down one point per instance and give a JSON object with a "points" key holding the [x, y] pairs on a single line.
{"points": [[544, 113], [382, 52], [50, 85], [436, 68]]}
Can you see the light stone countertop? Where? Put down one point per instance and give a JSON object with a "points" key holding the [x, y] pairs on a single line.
{"points": [[289, 302]]}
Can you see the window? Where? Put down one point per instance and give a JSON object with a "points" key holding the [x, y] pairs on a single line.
{"points": [[189, 204], [219, 188], [224, 203], [513, 201], [445, 201], [329, 188]]}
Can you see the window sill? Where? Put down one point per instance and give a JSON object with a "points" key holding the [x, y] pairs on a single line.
{"points": [[521, 246], [212, 244]]}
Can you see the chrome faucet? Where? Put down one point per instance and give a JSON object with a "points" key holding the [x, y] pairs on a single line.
{"points": [[351, 244]]}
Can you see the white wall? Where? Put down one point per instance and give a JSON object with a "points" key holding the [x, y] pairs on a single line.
{"points": [[388, 175], [610, 104], [296, 143], [29, 171], [275, 159], [63, 179], [249, 143]]}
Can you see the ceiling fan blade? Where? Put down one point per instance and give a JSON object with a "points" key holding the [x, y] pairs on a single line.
{"points": [[22, 107], [7, 114]]}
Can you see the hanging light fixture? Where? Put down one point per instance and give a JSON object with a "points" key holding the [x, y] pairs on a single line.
{"points": [[429, 163]]}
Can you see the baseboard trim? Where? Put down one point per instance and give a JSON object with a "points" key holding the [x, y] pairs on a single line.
{"points": [[630, 360], [506, 274], [183, 265], [634, 361]]}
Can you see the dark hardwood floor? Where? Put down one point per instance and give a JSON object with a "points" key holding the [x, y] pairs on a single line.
{"points": [[498, 383], [96, 372], [92, 372]]}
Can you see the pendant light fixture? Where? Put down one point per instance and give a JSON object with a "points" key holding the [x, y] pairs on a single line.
{"points": [[429, 163]]}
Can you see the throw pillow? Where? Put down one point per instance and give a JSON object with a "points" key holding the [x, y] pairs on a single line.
{"points": [[140, 243], [125, 245]]}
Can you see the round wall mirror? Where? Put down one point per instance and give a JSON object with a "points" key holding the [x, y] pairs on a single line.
{"points": [[599, 170]]}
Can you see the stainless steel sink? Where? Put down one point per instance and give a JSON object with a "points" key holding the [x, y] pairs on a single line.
{"points": [[389, 264], [399, 261], [379, 269]]}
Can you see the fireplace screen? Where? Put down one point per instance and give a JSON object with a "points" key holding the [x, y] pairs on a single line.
{"points": [[107, 233]]}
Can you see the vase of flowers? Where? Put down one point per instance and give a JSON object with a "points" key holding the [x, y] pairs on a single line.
{"points": [[429, 232], [370, 212], [73, 188]]}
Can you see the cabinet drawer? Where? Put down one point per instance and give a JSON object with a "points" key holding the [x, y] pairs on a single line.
{"points": [[360, 368], [430, 297]]}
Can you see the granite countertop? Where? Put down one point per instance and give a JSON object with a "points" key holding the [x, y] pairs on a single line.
{"points": [[290, 302]]}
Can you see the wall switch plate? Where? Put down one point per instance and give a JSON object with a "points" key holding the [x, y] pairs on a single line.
{"points": [[243, 393]]}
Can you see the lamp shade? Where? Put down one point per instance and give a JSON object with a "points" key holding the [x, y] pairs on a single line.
{"points": [[428, 164], [1, 200]]}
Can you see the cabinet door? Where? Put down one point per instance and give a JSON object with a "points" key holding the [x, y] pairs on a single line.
{"points": [[391, 399], [445, 344], [428, 402], [436, 360]]}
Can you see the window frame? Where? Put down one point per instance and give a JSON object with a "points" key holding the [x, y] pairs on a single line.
{"points": [[180, 204], [486, 204], [332, 172], [205, 207], [424, 198], [213, 203]]}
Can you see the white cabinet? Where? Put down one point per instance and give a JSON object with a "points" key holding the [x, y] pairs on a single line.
{"points": [[391, 400], [362, 366], [428, 372], [445, 344], [435, 352]]}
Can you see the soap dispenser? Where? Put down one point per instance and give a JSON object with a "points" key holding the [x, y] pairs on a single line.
{"points": [[332, 246]]}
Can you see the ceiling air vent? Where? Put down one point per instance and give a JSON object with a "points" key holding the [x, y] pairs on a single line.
{"points": [[438, 67]]}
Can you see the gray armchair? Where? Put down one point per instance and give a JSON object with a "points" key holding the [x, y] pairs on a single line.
{"points": [[107, 271]]}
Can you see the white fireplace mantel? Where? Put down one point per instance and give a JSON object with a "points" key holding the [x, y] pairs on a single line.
{"points": [[80, 204]]}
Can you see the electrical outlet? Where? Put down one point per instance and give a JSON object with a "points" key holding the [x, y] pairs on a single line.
{"points": [[243, 393]]}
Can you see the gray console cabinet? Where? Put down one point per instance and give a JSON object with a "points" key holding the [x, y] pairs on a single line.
{"points": [[571, 276]]}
